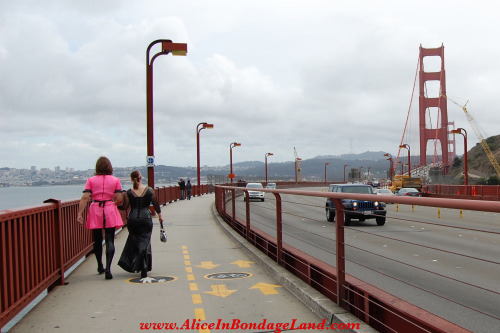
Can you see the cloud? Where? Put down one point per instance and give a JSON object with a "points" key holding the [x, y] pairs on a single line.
{"points": [[325, 78]]}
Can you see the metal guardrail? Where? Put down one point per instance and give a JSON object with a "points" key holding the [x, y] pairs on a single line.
{"points": [[472, 192], [376, 307], [38, 244]]}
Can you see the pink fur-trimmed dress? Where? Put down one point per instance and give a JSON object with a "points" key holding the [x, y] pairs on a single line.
{"points": [[103, 212]]}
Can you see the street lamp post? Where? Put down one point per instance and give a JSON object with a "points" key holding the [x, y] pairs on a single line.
{"points": [[409, 165], [198, 129], [391, 165], [399, 162], [267, 154], [166, 47], [233, 144], [296, 160], [464, 133], [327, 163], [345, 165]]}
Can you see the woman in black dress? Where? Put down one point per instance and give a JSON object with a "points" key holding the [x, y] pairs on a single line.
{"points": [[136, 255]]}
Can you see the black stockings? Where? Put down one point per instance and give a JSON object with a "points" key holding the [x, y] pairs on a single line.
{"points": [[110, 246]]}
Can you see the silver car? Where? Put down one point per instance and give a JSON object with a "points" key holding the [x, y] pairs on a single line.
{"points": [[254, 194], [409, 191]]}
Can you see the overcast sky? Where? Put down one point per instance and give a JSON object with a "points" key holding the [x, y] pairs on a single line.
{"points": [[327, 77]]}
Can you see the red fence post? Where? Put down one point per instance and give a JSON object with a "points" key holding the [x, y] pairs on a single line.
{"points": [[233, 215], [247, 213], [279, 229], [58, 246], [340, 247]]}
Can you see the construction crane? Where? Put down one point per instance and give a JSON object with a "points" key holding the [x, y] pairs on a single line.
{"points": [[298, 170], [479, 136]]}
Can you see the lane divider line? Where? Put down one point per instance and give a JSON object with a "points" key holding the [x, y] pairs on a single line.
{"points": [[199, 313]]}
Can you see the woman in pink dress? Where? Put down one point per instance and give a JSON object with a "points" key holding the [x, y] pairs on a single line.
{"points": [[105, 192]]}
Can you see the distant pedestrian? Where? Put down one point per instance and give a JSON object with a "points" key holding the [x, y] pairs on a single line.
{"points": [[182, 186], [188, 189], [105, 192]]}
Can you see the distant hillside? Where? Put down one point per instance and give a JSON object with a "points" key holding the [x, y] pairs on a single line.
{"points": [[369, 155], [479, 165]]}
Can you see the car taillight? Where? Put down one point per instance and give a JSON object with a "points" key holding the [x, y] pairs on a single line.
{"points": [[407, 193]]}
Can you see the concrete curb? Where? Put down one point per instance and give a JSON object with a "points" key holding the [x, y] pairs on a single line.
{"points": [[313, 299]]}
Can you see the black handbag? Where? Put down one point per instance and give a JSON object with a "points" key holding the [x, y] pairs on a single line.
{"points": [[163, 234]]}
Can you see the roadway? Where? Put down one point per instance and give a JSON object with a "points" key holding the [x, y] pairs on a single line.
{"points": [[384, 257]]}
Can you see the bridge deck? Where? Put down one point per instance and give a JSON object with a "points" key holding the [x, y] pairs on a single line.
{"points": [[204, 274]]}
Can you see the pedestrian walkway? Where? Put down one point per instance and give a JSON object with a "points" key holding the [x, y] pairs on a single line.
{"points": [[204, 275]]}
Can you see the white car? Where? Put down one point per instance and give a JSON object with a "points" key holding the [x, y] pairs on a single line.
{"points": [[384, 191], [271, 186], [253, 194]]}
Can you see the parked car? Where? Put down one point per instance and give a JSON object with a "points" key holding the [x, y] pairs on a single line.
{"points": [[271, 186], [410, 191], [255, 194], [357, 209]]}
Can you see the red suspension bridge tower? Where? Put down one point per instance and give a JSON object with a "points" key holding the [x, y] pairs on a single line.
{"points": [[433, 103]]}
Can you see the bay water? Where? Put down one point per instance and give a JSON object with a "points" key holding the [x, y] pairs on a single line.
{"points": [[21, 196]]}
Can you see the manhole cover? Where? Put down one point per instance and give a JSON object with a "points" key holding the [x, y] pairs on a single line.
{"points": [[226, 276], [152, 279]]}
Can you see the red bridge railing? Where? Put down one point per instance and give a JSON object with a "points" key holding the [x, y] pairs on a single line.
{"points": [[38, 244], [381, 310]]}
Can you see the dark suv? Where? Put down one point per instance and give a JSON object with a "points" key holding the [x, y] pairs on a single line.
{"points": [[356, 209]]}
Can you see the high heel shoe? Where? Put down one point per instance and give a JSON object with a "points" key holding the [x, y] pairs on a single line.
{"points": [[100, 270], [108, 275], [144, 273]]}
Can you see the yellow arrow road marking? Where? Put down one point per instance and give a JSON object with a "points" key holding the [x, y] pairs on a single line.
{"points": [[242, 263], [220, 290], [266, 288], [207, 265]]}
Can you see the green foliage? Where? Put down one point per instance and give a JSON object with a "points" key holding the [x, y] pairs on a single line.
{"points": [[492, 180]]}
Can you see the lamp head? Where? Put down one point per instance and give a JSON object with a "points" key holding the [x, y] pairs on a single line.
{"points": [[177, 49]]}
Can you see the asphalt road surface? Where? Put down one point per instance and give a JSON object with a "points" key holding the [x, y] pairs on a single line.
{"points": [[438, 260]]}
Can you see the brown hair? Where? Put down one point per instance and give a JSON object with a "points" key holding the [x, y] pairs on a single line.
{"points": [[103, 166], [135, 176]]}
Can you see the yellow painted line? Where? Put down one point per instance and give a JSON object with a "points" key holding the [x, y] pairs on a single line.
{"points": [[187, 257], [220, 290], [242, 263], [207, 265], [189, 269], [190, 277], [184, 247], [266, 288], [196, 298], [193, 286], [187, 263], [185, 251], [199, 313]]}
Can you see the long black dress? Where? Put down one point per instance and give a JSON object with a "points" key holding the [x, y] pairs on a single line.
{"points": [[136, 255]]}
